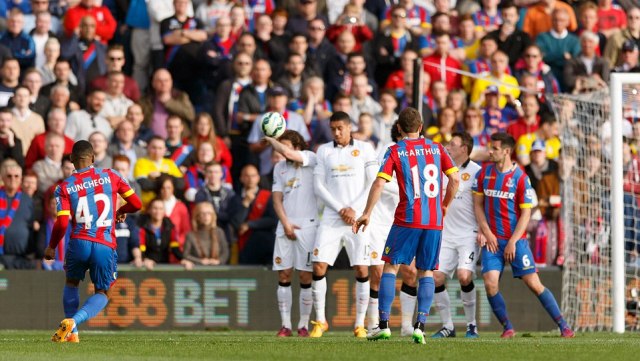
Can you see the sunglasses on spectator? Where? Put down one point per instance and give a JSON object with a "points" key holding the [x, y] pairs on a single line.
{"points": [[531, 55], [400, 16], [113, 58], [316, 28]]}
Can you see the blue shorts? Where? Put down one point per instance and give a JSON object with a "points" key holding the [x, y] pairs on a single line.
{"points": [[404, 244], [522, 264], [100, 260]]}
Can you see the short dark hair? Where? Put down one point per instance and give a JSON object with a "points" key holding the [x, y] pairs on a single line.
{"points": [[82, 149], [466, 139], [355, 54], [508, 4], [505, 139], [547, 118], [67, 159], [155, 137], [297, 141], [410, 120], [8, 59], [211, 164], [395, 133], [6, 110], [438, 14], [488, 38], [340, 117]]}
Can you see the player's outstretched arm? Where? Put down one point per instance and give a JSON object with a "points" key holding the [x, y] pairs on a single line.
{"points": [[288, 152], [374, 195]]}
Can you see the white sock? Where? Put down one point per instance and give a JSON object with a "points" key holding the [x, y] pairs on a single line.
{"points": [[306, 304], [443, 304], [284, 305], [319, 292], [469, 303], [372, 313], [407, 307], [362, 301]]}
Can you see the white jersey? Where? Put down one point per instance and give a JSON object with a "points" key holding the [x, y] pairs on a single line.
{"points": [[460, 221], [295, 181], [385, 209], [345, 174]]}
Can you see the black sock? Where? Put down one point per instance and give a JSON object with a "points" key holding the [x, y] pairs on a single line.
{"points": [[383, 324]]}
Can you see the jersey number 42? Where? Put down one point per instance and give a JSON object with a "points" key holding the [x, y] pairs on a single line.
{"points": [[83, 212]]}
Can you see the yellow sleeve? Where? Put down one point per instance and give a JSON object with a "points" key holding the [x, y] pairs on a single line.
{"points": [[523, 145], [140, 169], [478, 87], [174, 171], [384, 176]]}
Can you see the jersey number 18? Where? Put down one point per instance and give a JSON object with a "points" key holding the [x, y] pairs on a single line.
{"points": [[431, 188]]}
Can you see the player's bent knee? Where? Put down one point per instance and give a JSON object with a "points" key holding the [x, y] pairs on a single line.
{"points": [[362, 272], [465, 278], [533, 282], [319, 269], [285, 275], [305, 277], [72, 282]]}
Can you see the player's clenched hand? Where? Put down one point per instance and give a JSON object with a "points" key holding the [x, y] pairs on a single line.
{"points": [[348, 215], [120, 217], [363, 222], [510, 252], [289, 231], [49, 253]]}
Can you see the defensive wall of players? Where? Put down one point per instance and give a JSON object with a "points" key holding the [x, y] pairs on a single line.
{"points": [[231, 298]]}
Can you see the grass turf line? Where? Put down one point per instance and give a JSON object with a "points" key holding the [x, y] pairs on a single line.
{"points": [[245, 345]]}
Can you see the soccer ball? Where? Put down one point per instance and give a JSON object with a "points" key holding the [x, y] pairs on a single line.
{"points": [[273, 124]]}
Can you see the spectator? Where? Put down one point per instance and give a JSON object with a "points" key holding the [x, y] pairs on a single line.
{"points": [[320, 51], [159, 10], [205, 132], [391, 43], [533, 65], [18, 41], [277, 99], [547, 132], [350, 20], [588, 21], [256, 9], [587, 67], [499, 75], [37, 102], [307, 11], [15, 239], [386, 118], [56, 123], [138, 20], [441, 133], [539, 18], [175, 209], [397, 78], [496, 118], [315, 110], [206, 244], [10, 144], [52, 54], [194, 174], [441, 25], [209, 11], [254, 219], [225, 105], [163, 101], [530, 120], [488, 18], [239, 22], [418, 20], [26, 124], [86, 53], [103, 19], [294, 76], [365, 130], [30, 188], [366, 17], [632, 32], [439, 65], [246, 43], [629, 58], [611, 17], [511, 40], [41, 7], [60, 99], [558, 45], [49, 169], [40, 34], [213, 191], [100, 144], [147, 170], [178, 149], [299, 44], [64, 77], [361, 101], [342, 81], [474, 125], [217, 55], [10, 75], [271, 46], [482, 63], [116, 102], [182, 36], [158, 238], [457, 100], [142, 133], [128, 240], [81, 123], [115, 60]]}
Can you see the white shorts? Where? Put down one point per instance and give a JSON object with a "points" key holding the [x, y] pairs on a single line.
{"points": [[377, 235], [295, 254], [332, 236], [458, 254]]}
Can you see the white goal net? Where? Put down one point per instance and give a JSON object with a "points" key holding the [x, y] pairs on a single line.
{"points": [[587, 217]]}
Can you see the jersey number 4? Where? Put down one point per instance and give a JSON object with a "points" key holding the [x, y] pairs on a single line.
{"points": [[431, 184], [83, 214]]}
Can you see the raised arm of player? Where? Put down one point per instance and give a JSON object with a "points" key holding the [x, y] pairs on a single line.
{"points": [[374, 196], [288, 152]]}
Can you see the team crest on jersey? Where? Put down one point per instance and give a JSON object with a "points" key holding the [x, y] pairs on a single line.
{"points": [[315, 252], [278, 260], [374, 254], [355, 152], [465, 176], [387, 250], [510, 183]]}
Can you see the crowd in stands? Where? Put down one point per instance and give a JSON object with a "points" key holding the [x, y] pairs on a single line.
{"points": [[170, 94]]}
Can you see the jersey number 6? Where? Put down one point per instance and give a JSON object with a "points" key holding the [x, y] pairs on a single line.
{"points": [[431, 188], [83, 213]]}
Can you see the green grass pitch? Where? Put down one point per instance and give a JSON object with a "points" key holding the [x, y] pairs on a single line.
{"points": [[242, 345]]}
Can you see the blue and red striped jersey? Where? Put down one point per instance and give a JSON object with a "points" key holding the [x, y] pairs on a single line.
{"points": [[90, 197], [505, 194], [418, 164]]}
